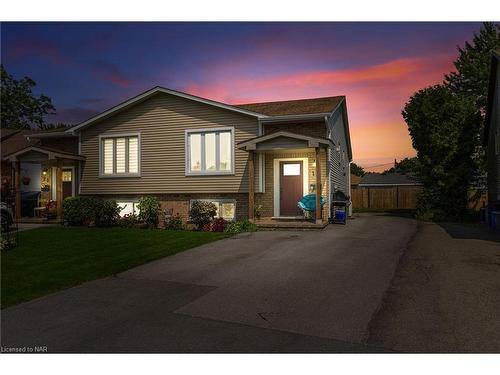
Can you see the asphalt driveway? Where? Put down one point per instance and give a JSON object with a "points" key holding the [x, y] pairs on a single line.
{"points": [[259, 292]]}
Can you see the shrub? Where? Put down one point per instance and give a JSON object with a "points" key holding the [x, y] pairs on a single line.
{"points": [[148, 211], [202, 213], [73, 210], [7, 242], [175, 223], [80, 210], [107, 213], [84, 210], [240, 226], [127, 221], [218, 225]]}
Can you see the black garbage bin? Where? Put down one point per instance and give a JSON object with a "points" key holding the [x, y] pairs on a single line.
{"points": [[339, 207]]}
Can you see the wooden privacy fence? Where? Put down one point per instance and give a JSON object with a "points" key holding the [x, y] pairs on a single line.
{"points": [[385, 197]]}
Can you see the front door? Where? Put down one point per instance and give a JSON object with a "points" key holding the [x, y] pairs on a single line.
{"points": [[67, 182], [291, 187]]}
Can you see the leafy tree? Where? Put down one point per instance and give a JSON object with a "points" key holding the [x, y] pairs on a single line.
{"points": [[357, 170], [20, 107], [405, 166], [441, 125], [471, 79], [473, 65]]}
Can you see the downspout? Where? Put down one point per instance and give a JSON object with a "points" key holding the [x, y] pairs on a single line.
{"points": [[328, 171]]}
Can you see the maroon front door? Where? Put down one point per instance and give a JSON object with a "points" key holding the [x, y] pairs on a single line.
{"points": [[291, 187]]}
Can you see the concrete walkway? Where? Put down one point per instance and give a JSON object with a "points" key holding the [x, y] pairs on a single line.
{"points": [[258, 292]]}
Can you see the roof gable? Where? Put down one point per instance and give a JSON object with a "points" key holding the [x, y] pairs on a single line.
{"points": [[145, 95]]}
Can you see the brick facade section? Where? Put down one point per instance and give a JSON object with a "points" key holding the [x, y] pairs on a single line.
{"points": [[180, 202]]}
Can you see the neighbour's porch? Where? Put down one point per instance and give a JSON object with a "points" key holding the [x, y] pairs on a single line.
{"points": [[39, 176], [283, 167]]}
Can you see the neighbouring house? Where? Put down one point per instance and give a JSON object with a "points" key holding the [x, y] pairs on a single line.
{"points": [[492, 136], [30, 163], [386, 191], [183, 148]]}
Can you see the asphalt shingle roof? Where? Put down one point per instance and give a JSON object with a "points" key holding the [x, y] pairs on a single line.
{"points": [[294, 107], [387, 179]]}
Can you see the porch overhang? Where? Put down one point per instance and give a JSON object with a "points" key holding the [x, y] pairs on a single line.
{"points": [[36, 154], [283, 140]]}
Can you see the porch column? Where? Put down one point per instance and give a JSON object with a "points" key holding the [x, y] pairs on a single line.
{"points": [[59, 189], [318, 187], [17, 187], [251, 184]]}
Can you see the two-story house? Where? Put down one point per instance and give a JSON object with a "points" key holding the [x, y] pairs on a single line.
{"points": [[182, 148]]}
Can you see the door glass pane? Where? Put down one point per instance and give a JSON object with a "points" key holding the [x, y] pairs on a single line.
{"points": [[225, 151], [210, 151], [291, 169], [133, 155], [108, 156], [120, 155], [66, 176], [195, 152]]}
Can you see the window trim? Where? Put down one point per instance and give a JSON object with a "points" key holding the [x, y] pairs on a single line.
{"points": [[187, 160], [219, 200], [102, 137]]}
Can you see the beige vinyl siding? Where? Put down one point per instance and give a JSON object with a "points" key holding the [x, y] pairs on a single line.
{"points": [[162, 121], [338, 161]]}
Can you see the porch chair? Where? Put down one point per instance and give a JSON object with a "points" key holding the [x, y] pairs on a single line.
{"points": [[39, 210], [308, 204]]}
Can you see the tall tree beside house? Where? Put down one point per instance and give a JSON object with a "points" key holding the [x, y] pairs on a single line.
{"points": [[357, 170], [442, 128], [472, 77], [20, 107]]}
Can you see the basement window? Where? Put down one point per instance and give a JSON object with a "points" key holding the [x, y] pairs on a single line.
{"points": [[226, 208]]}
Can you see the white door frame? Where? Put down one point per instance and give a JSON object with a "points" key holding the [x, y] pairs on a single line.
{"points": [[276, 182]]}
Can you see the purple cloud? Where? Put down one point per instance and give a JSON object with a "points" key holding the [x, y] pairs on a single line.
{"points": [[110, 73]]}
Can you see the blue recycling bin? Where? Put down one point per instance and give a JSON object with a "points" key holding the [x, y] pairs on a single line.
{"points": [[493, 219]]}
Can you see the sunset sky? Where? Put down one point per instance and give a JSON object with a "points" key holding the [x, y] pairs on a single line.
{"points": [[87, 67]]}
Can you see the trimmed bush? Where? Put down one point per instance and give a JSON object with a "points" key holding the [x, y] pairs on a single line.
{"points": [[240, 226], [175, 223], [85, 210], [202, 213], [73, 210], [107, 213], [128, 221], [148, 211]]}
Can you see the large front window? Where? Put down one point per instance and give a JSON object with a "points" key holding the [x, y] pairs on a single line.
{"points": [[120, 155], [209, 152]]}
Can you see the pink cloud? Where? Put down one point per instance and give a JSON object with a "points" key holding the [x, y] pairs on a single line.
{"points": [[39, 48], [375, 97]]}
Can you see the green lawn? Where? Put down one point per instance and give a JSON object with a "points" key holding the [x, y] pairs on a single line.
{"points": [[55, 258]]}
